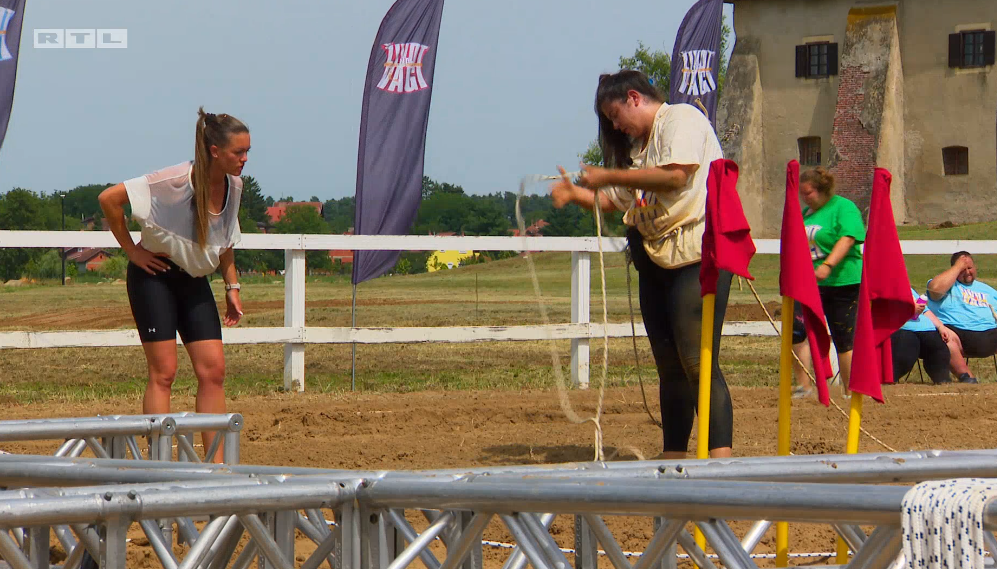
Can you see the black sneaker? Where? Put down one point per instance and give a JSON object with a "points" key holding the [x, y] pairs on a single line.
{"points": [[966, 378]]}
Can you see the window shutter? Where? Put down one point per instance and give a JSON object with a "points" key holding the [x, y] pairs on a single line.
{"points": [[988, 47], [832, 59], [802, 61], [955, 50]]}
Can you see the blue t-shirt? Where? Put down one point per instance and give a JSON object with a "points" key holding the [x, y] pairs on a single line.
{"points": [[966, 307], [921, 323]]}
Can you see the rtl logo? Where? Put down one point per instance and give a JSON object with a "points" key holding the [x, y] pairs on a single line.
{"points": [[116, 38]]}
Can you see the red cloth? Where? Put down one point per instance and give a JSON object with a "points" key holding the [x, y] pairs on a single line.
{"points": [[797, 281], [885, 302], [727, 243]]}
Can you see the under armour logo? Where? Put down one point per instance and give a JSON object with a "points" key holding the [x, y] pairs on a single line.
{"points": [[697, 72], [152, 330], [403, 69], [6, 15]]}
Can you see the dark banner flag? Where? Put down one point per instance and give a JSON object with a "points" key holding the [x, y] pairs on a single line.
{"points": [[11, 14], [393, 128], [696, 57]]}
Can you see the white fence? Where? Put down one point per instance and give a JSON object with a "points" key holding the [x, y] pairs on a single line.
{"points": [[295, 335]]}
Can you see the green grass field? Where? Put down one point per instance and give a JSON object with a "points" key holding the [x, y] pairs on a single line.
{"points": [[495, 293]]}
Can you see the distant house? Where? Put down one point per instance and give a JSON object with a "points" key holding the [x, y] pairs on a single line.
{"points": [[342, 255], [277, 210], [87, 258], [90, 222], [535, 230]]}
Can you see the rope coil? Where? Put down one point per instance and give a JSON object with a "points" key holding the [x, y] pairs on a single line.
{"points": [[942, 523]]}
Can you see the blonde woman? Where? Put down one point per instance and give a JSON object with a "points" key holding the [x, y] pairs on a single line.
{"points": [[189, 214]]}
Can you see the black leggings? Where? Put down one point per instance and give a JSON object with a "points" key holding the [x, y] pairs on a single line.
{"points": [[908, 346], [672, 308], [171, 302]]}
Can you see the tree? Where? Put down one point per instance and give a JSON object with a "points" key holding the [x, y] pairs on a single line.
{"points": [[114, 268], [19, 210], [725, 32], [306, 219], [340, 214], [253, 205], [431, 187], [47, 266], [81, 201], [657, 65], [261, 260]]}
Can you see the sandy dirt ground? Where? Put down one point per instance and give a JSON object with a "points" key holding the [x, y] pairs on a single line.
{"points": [[430, 430]]}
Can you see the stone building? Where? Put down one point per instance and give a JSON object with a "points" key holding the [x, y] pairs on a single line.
{"points": [[907, 85]]}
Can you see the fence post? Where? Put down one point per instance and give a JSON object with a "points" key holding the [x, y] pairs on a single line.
{"points": [[581, 279], [294, 317]]}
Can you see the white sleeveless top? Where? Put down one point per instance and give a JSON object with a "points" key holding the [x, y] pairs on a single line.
{"points": [[163, 204]]}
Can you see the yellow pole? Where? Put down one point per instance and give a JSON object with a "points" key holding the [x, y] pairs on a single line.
{"points": [[854, 422], [785, 406], [705, 379]]}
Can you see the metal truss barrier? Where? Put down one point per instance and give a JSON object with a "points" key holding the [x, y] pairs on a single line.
{"points": [[388, 519], [114, 436]]}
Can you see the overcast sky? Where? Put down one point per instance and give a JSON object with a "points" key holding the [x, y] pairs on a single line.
{"points": [[513, 92]]}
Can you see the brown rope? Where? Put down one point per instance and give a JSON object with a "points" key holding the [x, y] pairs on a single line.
{"points": [[810, 375]]}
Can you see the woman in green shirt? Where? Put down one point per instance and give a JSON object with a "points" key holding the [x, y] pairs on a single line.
{"points": [[835, 231]]}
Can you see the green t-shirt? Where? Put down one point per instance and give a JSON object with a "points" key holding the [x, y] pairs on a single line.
{"points": [[838, 218]]}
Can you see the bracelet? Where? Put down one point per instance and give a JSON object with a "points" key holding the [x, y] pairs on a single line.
{"points": [[830, 266], [233, 286]]}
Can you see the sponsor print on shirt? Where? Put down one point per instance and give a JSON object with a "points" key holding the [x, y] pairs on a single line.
{"points": [[973, 298], [815, 251]]}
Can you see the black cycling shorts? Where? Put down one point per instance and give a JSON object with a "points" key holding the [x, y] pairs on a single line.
{"points": [[840, 305], [170, 302]]}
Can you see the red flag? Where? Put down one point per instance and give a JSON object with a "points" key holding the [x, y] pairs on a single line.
{"points": [[797, 281], [727, 243], [885, 302]]}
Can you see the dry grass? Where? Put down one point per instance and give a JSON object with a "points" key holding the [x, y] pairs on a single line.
{"points": [[497, 293]]}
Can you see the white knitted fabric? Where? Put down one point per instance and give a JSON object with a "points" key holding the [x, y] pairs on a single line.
{"points": [[943, 523]]}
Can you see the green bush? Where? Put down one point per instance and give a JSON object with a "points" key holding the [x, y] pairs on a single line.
{"points": [[114, 268]]}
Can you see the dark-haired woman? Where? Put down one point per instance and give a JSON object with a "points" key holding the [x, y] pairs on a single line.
{"points": [[657, 158], [189, 215]]}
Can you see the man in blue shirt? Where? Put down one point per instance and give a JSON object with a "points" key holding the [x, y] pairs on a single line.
{"points": [[964, 305], [925, 337]]}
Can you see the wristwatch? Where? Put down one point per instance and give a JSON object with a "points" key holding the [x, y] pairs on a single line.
{"points": [[233, 286]]}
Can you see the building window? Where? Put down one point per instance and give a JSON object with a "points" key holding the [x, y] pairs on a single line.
{"points": [[956, 160], [818, 59], [809, 150], [972, 48]]}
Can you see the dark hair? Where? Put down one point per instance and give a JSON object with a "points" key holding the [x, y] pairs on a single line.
{"points": [[820, 179], [616, 145], [212, 130], [957, 255]]}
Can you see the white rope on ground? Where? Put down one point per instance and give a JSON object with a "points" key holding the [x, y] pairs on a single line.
{"points": [[562, 389], [942, 523], [500, 545]]}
